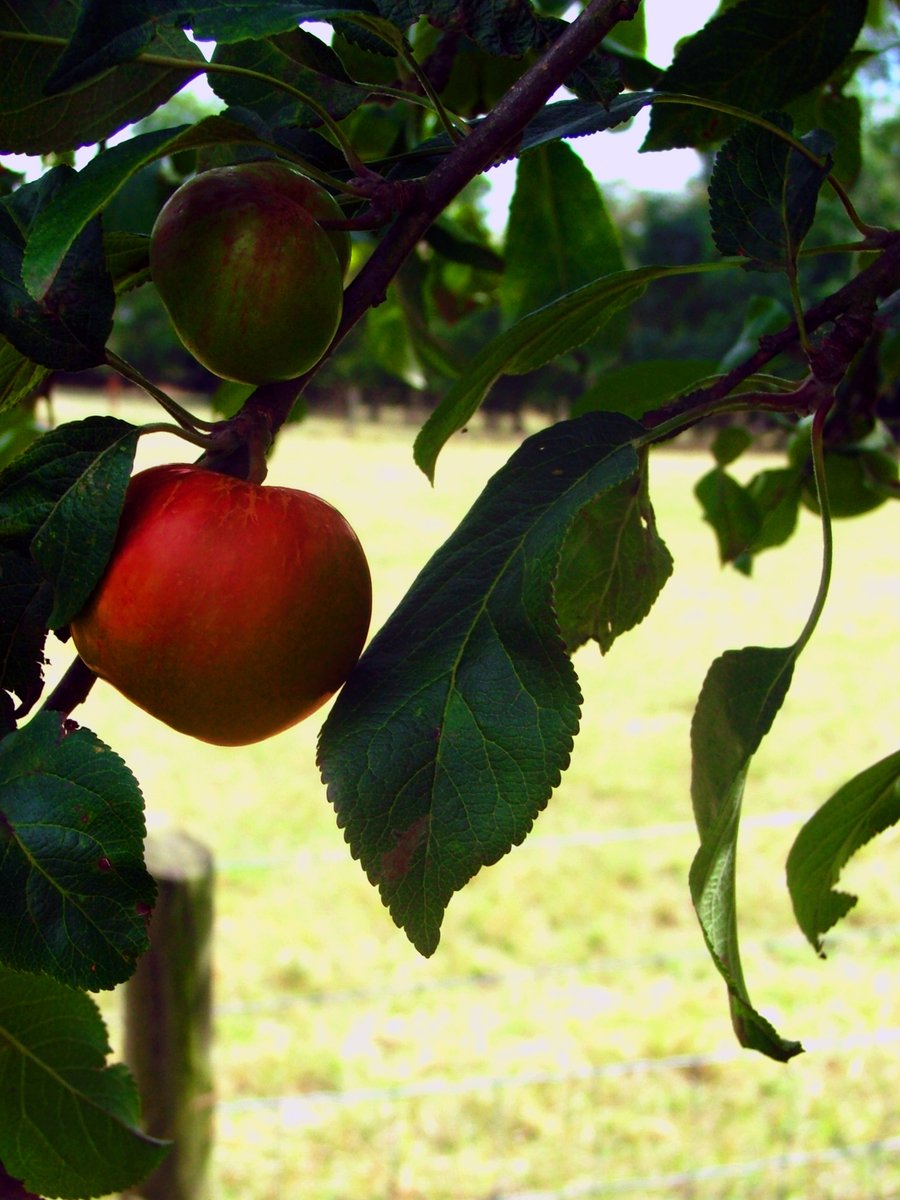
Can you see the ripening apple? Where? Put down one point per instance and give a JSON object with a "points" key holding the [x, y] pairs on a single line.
{"points": [[252, 282], [228, 610]]}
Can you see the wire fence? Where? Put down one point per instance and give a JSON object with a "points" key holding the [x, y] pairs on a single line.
{"points": [[675, 1181], [308, 1108]]}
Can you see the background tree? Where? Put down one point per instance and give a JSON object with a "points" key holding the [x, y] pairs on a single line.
{"points": [[455, 726]]}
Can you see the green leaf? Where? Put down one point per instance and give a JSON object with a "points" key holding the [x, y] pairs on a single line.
{"points": [[560, 235], [19, 376], [740, 698], [729, 508], [776, 494], [839, 116], [64, 495], [865, 806], [631, 35], [757, 55], [613, 565], [298, 59], [67, 327], [532, 342], [764, 314], [387, 342], [68, 1121], [763, 194], [34, 122], [75, 893], [730, 443], [639, 388], [449, 736]]}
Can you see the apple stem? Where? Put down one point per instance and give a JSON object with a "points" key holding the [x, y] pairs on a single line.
{"points": [[73, 689]]}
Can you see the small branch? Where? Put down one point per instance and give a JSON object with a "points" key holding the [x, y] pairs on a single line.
{"points": [[73, 689]]}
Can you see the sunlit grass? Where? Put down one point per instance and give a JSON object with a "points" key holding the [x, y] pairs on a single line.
{"points": [[525, 1054]]}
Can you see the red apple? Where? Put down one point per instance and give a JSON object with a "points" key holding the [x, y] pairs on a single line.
{"points": [[228, 610], [253, 284]]}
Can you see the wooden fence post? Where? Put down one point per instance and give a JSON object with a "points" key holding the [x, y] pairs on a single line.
{"points": [[167, 1019]]}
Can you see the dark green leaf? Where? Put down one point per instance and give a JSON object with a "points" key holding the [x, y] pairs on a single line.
{"points": [[109, 34], [452, 731], [740, 698], [613, 565], [25, 600], [67, 326], [64, 496], [756, 55], [865, 806], [452, 244], [641, 387], [128, 259], [560, 235], [359, 39], [763, 194], [68, 1121], [508, 28], [12, 1189], [730, 510], [32, 122], [75, 893], [19, 376], [597, 78], [80, 197], [237, 21], [839, 116], [298, 59], [577, 118]]}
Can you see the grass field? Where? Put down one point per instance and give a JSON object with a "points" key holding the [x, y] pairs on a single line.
{"points": [[570, 1037]]}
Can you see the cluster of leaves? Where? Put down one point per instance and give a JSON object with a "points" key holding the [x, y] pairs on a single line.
{"points": [[459, 720]]}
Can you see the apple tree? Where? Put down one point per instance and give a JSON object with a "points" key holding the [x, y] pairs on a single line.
{"points": [[455, 725]]}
